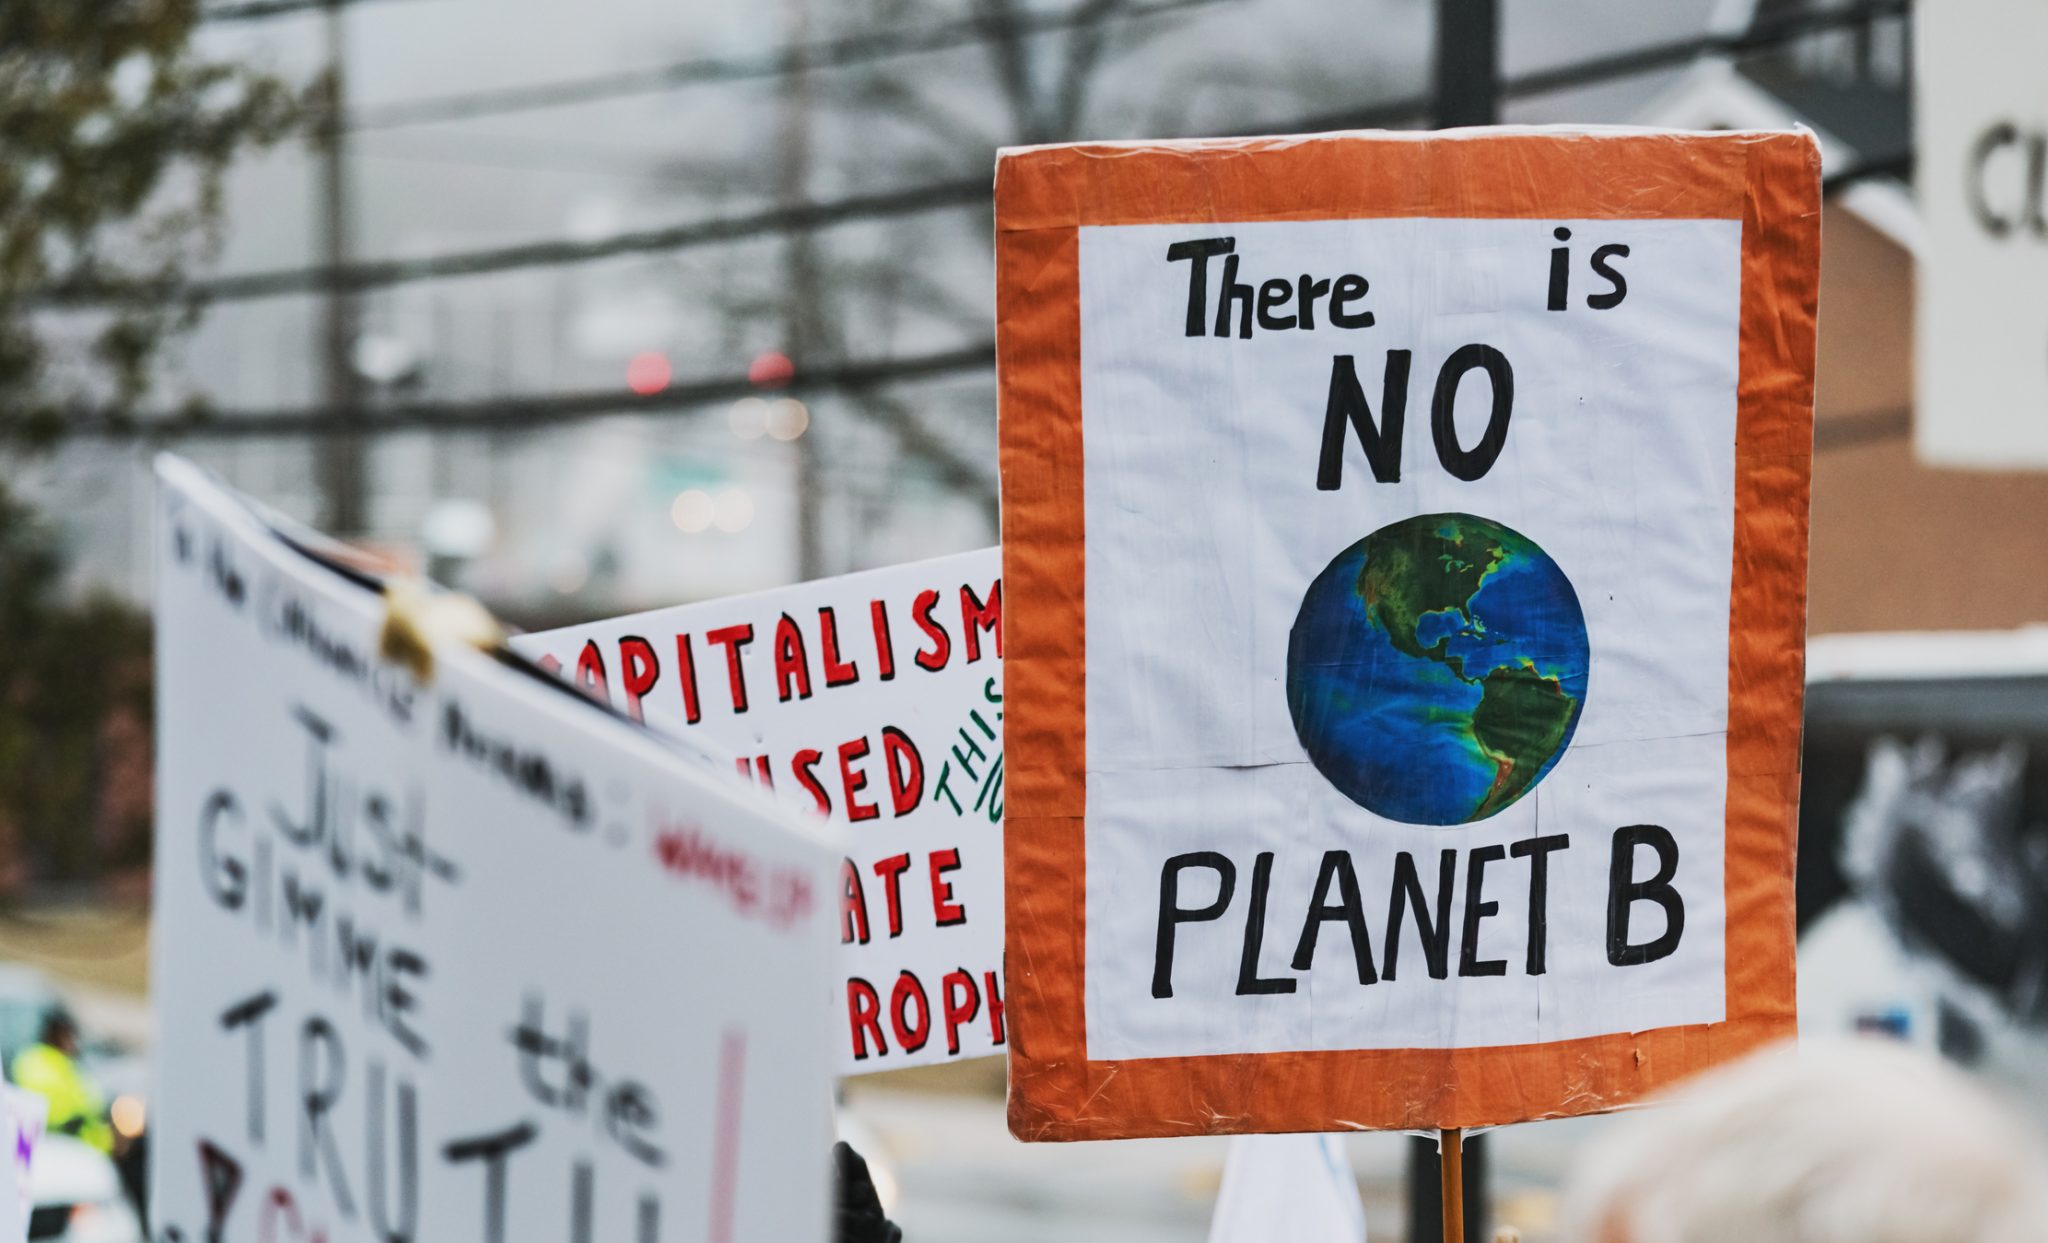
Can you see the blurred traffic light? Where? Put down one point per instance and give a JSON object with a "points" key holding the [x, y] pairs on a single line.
{"points": [[771, 370], [647, 373]]}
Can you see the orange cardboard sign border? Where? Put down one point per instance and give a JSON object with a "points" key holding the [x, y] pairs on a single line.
{"points": [[1768, 181]]}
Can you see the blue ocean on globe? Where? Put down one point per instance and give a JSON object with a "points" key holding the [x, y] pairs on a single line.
{"points": [[1437, 669]]}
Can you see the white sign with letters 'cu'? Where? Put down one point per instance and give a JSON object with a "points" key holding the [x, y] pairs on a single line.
{"points": [[1982, 115], [466, 959], [876, 699]]}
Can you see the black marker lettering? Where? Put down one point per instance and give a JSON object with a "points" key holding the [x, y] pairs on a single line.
{"points": [[1172, 915], [323, 1071], [1382, 440], [1349, 908], [408, 1160], [248, 1013], [494, 1150], [1537, 850], [1560, 271], [1249, 982], [1434, 933], [1624, 891], [1476, 909], [1197, 252], [1612, 298], [1443, 425]]}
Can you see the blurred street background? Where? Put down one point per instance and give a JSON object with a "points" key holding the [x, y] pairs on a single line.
{"points": [[599, 307]]}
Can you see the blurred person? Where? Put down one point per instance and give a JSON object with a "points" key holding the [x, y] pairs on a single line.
{"points": [[49, 1068], [1839, 1141], [857, 1214]]}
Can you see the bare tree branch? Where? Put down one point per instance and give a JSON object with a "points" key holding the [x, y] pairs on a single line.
{"points": [[1006, 47], [1083, 53], [906, 102], [915, 438]]}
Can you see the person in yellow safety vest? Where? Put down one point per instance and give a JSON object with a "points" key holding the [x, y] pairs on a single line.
{"points": [[49, 1068]]}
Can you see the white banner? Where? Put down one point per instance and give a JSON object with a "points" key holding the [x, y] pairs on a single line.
{"points": [[463, 960], [876, 699], [1982, 115]]}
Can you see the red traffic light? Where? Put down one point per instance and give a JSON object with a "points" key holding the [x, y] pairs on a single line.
{"points": [[648, 373], [771, 370]]}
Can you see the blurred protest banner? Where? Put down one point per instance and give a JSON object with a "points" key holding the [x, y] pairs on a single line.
{"points": [[1981, 112], [876, 699], [1405, 537], [445, 951]]}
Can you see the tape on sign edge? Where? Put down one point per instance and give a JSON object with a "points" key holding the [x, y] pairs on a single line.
{"points": [[417, 617]]}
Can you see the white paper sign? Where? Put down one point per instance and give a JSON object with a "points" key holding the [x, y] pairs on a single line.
{"points": [[1294, 1187], [1405, 538], [876, 699], [1982, 109], [463, 962], [1645, 398]]}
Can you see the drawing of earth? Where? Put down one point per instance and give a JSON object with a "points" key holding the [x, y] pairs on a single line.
{"points": [[1437, 669]]}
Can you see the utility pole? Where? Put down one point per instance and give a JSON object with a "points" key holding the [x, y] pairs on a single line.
{"points": [[340, 465], [1467, 63], [800, 287]]}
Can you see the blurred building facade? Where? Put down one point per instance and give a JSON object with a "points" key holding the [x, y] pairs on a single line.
{"points": [[1896, 544]]}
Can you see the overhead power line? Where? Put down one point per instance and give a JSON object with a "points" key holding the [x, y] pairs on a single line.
{"points": [[931, 196], [837, 53], [522, 413], [1675, 53], [1762, 37], [917, 199], [856, 377], [554, 253], [257, 10], [878, 46]]}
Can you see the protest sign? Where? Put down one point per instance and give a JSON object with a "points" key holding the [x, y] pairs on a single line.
{"points": [[876, 699], [1405, 538], [454, 954], [1981, 116], [22, 1115]]}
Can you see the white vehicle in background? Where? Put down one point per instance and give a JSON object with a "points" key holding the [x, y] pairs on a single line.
{"points": [[75, 1190], [76, 1196]]}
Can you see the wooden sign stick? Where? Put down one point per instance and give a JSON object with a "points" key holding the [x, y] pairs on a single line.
{"points": [[1451, 1153]]}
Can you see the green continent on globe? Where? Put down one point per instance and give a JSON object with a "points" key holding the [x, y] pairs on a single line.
{"points": [[1521, 721], [1414, 569]]}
